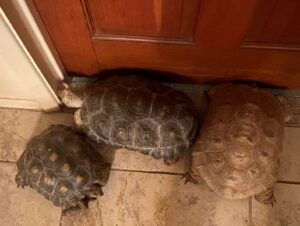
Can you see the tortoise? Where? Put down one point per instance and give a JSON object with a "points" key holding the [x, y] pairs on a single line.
{"points": [[63, 166], [237, 152], [135, 113]]}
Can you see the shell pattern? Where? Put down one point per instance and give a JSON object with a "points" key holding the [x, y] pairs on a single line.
{"points": [[139, 114], [237, 154], [62, 166]]}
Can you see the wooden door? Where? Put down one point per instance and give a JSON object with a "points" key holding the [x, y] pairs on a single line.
{"points": [[206, 40]]}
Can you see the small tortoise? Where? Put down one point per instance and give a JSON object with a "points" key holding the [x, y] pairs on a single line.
{"points": [[136, 113], [237, 153], [63, 167]]}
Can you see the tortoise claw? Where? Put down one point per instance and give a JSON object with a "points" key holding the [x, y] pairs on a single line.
{"points": [[189, 178]]}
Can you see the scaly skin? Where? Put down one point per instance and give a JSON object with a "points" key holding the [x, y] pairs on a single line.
{"points": [[77, 119], [71, 98]]}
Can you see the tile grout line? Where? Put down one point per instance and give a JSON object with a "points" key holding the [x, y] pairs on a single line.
{"points": [[292, 126], [250, 211], [7, 161], [161, 172], [60, 220], [144, 171], [288, 182], [182, 174]]}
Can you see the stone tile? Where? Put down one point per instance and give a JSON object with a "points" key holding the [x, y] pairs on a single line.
{"points": [[132, 198], [124, 159], [285, 212], [290, 157], [18, 126], [22, 207]]}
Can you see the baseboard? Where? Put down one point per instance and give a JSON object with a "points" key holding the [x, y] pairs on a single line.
{"points": [[20, 104]]}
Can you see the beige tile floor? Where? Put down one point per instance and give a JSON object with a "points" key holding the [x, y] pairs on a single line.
{"points": [[141, 191]]}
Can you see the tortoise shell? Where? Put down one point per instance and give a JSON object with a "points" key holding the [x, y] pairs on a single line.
{"points": [[237, 153], [140, 114], [62, 166]]}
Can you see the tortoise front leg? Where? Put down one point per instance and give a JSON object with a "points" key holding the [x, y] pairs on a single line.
{"points": [[77, 120], [266, 197]]}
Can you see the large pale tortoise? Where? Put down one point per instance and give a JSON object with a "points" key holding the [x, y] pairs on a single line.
{"points": [[62, 166], [237, 152], [136, 113]]}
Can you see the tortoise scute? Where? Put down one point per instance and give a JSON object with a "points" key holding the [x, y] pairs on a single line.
{"points": [[212, 141], [179, 98], [101, 126], [93, 102], [237, 153], [35, 170], [48, 181], [169, 154], [254, 171], [121, 132], [248, 112], [138, 103], [132, 81], [106, 83], [66, 167], [62, 172], [219, 115], [171, 134], [147, 135], [187, 117], [233, 177], [217, 161], [114, 100], [244, 134], [81, 178], [162, 109], [239, 157], [156, 154], [40, 149], [52, 159], [64, 189]]}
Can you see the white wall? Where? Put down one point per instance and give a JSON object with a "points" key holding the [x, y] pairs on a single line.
{"points": [[21, 83]]}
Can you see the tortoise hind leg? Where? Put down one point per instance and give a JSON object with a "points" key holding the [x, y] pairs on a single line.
{"points": [[192, 177], [266, 197]]}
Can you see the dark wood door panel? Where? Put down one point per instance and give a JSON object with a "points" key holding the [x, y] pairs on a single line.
{"points": [[201, 39], [66, 23], [276, 25], [143, 20]]}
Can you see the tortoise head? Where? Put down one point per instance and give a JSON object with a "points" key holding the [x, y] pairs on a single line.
{"points": [[72, 98]]}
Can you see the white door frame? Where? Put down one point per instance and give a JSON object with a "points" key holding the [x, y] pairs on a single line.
{"points": [[24, 22]]}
